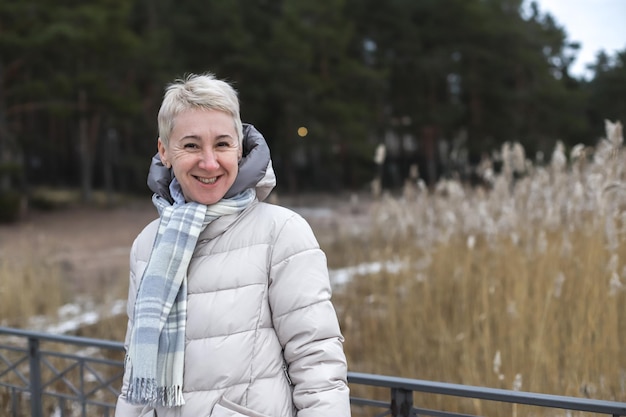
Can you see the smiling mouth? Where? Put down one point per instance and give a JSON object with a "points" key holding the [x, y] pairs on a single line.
{"points": [[207, 180]]}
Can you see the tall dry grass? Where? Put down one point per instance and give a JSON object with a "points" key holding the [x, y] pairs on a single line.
{"points": [[518, 285], [30, 287]]}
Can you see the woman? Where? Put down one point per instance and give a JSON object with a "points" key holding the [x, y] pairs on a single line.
{"points": [[229, 300]]}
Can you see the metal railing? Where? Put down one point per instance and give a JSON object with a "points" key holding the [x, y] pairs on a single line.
{"points": [[70, 376], [82, 376]]}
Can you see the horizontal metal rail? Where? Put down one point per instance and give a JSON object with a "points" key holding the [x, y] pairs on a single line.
{"points": [[87, 382]]}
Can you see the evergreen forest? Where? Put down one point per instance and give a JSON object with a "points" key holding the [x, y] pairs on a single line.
{"points": [[439, 83]]}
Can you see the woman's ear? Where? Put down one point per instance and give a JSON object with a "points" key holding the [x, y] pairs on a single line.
{"points": [[163, 153]]}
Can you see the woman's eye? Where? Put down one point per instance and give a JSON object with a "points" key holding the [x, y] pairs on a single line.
{"points": [[190, 146]]}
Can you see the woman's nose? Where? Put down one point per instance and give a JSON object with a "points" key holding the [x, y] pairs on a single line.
{"points": [[208, 160]]}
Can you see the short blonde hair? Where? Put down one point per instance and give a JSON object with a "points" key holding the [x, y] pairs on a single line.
{"points": [[197, 91]]}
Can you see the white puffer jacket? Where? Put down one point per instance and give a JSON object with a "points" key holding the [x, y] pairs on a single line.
{"points": [[258, 292]]}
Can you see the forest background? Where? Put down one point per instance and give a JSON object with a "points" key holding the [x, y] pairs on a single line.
{"points": [[440, 84]]}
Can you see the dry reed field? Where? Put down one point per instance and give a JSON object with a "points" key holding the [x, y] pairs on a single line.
{"points": [[519, 283]]}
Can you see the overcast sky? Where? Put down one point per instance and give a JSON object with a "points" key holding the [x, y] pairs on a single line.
{"points": [[596, 24]]}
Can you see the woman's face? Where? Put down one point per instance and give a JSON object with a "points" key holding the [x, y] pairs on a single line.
{"points": [[204, 152]]}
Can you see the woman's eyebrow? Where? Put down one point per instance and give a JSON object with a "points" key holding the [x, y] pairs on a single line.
{"points": [[223, 136], [192, 136]]}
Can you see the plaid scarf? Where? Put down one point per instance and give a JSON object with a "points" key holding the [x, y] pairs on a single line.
{"points": [[156, 352]]}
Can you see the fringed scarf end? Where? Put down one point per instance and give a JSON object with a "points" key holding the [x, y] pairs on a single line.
{"points": [[171, 396], [145, 391], [142, 391]]}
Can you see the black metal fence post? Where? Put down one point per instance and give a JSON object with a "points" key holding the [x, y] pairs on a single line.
{"points": [[401, 402], [35, 377]]}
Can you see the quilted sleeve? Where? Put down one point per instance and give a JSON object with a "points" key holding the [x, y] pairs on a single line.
{"points": [[306, 322]]}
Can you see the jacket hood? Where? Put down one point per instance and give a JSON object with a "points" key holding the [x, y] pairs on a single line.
{"points": [[255, 169]]}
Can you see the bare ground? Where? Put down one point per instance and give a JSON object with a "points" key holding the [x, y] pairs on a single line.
{"points": [[91, 245]]}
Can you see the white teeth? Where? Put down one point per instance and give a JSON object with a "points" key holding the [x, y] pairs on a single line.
{"points": [[207, 180]]}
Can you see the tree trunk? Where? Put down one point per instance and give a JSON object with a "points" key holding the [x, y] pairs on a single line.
{"points": [[108, 161], [88, 128], [83, 149], [5, 139]]}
